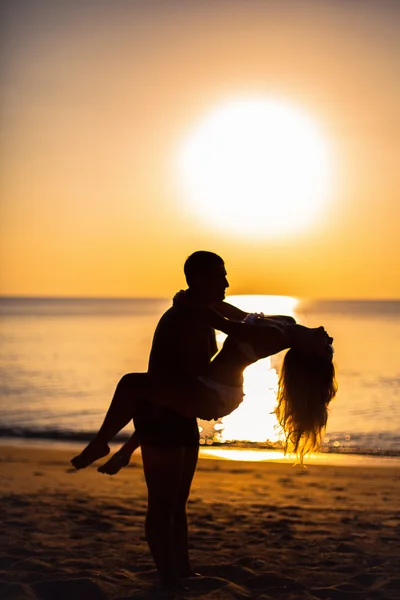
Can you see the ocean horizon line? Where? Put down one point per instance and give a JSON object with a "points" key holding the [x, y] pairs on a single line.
{"points": [[162, 298]]}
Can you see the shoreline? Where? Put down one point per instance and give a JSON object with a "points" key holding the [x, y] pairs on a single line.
{"points": [[230, 452]]}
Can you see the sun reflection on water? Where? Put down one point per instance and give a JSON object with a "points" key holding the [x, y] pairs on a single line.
{"points": [[254, 420]]}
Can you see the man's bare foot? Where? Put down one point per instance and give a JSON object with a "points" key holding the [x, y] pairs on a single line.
{"points": [[93, 451], [118, 460], [174, 583]]}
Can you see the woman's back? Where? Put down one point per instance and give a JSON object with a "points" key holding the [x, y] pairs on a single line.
{"points": [[228, 365]]}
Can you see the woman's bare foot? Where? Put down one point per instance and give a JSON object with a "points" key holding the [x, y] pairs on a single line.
{"points": [[118, 461], [93, 451]]}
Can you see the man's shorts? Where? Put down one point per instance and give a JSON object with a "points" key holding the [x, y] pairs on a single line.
{"points": [[159, 426]]}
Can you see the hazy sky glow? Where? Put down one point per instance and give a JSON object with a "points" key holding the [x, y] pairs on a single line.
{"points": [[97, 95]]}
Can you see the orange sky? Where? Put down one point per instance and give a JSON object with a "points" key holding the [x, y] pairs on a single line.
{"points": [[96, 97]]}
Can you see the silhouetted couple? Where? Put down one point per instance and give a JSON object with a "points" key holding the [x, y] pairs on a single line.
{"points": [[184, 381]]}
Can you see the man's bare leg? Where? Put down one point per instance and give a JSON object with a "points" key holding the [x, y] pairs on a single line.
{"points": [[184, 568], [122, 457], [123, 405], [162, 467]]}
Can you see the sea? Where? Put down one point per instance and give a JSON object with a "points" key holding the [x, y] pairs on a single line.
{"points": [[61, 358]]}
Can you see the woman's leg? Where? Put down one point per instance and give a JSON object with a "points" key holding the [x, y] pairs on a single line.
{"points": [[188, 397], [127, 395], [122, 457]]}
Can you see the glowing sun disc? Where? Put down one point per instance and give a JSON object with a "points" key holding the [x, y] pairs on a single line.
{"points": [[255, 166]]}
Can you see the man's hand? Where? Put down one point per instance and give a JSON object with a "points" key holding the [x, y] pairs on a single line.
{"points": [[260, 319]]}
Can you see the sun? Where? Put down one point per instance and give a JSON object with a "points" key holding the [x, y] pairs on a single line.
{"points": [[255, 167]]}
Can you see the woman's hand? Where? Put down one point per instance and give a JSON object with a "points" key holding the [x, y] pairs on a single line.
{"points": [[181, 299]]}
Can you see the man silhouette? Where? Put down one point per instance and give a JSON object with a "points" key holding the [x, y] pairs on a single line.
{"points": [[182, 347], [182, 350]]}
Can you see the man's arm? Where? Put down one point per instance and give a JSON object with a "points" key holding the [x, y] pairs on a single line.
{"points": [[280, 319], [229, 311], [237, 329], [235, 314], [269, 333]]}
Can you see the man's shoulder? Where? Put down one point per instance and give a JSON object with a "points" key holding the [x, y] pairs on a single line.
{"points": [[173, 317], [174, 313]]}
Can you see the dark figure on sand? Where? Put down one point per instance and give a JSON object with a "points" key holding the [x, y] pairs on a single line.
{"points": [[182, 383]]}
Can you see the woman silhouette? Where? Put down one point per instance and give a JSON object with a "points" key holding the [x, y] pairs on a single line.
{"points": [[306, 384]]}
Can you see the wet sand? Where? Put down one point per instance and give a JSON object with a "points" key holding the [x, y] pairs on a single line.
{"points": [[257, 530]]}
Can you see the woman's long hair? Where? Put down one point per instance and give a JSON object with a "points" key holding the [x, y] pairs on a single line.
{"points": [[306, 386]]}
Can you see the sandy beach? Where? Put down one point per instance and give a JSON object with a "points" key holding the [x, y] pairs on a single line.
{"points": [[257, 531]]}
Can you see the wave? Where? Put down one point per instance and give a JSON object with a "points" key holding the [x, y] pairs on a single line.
{"points": [[385, 445], [52, 434]]}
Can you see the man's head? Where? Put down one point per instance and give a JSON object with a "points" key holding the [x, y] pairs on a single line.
{"points": [[206, 275]]}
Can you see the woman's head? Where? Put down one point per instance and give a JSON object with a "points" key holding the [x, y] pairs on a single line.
{"points": [[306, 386]]}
